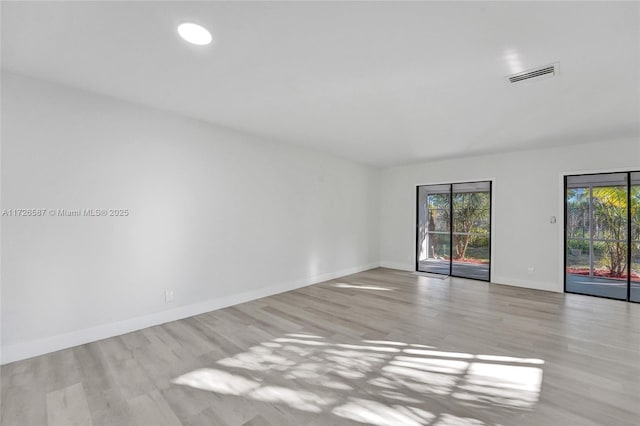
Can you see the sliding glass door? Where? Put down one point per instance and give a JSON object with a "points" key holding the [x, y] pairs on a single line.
{"points": [[434, 229], [454, 229], [634, 198], [602, 237], [471, 230]]}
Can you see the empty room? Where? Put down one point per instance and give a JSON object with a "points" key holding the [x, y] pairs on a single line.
{"points": [[320, 213]]}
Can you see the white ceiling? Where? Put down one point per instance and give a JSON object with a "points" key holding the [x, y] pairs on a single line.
{"points": [[383, 83]]}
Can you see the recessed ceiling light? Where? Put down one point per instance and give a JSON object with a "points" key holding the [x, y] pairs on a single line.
{"points": [[194, 33]]}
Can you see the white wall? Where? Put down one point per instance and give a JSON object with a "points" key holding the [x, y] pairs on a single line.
{"points": [[217, 216], [527, 191], [221, 217]]}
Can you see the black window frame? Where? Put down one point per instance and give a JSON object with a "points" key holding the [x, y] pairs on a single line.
{"points": [[417, 230], [629, 246]]}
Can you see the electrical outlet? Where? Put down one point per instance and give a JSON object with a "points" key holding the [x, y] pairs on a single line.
{"points": [[530, 269], [168, 296]]}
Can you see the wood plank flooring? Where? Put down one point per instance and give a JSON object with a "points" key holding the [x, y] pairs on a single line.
{"points": [[381, 347]]}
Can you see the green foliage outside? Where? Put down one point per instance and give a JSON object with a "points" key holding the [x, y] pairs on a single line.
{"points": [[470, 225], [471, 210], [608, 223]]}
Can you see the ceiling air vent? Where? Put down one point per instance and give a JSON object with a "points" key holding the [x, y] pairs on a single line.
{"points": [[535, 74]]}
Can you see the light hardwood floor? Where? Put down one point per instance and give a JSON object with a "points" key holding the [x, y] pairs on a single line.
{"points": [[380, 347]]}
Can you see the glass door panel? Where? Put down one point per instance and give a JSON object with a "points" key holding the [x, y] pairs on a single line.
{"points": [[434, 232], [596, 235], [634, 293], [471, 230]]}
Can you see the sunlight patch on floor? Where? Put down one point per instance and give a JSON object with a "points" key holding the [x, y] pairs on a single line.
{"points": [[299, 341], [438, 353], [312, 374], [449, 366], [222, 382], [368, 348], [301, 400], [499, 384], [384, 342], [219, 381], [509, 359], [376, 413], [363, 287], [304, 336]]}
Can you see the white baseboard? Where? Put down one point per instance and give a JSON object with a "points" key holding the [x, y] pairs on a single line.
{"points": [[397, 265], [29, 349], [535, 285]]}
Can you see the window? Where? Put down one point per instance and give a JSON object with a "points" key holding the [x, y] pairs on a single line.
{"points": [[454, 229], [602, 235]]}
